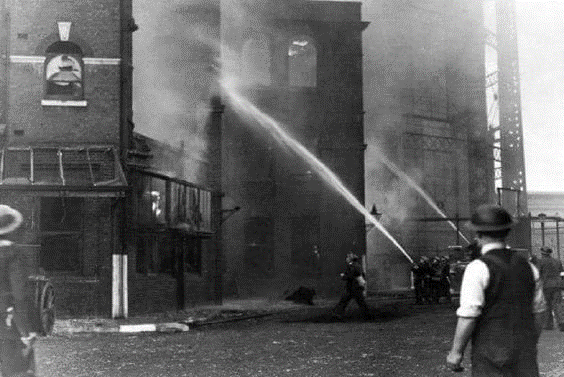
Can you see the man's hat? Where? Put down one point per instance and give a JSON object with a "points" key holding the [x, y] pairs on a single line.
{"points": [[352, 257], [490, 218], [546, 250], [10, 219]]}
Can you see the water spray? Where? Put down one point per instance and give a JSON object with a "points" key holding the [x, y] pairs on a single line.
{"points": [[397, 171], [243, 105]]}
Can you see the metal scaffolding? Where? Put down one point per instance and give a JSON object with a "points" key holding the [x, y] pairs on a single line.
{"points": [[511, 128]]}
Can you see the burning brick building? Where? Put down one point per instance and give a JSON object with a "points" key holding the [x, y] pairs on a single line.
{"points": [[124, 222], [430, 112], [409, 89], [300, 62]]}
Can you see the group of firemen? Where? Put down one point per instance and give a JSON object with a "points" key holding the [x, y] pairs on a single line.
{"points": [[431, 283], [431, 279]]}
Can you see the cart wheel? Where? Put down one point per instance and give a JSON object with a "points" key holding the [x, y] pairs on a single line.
{"points": [[46, 307]]}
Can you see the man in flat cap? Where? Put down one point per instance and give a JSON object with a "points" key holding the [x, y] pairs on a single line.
{"points": [[501, 304], [550, 269], [16, 337]]}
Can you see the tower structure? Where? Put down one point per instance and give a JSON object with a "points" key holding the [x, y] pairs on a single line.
{"points": [[513, 192], [301, 63]]}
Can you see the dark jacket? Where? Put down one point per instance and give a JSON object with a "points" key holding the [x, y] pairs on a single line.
{"points": [[506, 326], [351, 274], [13, 280], [550, 269]]}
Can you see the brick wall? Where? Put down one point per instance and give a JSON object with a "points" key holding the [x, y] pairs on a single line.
{"points": [[268, 181], [98, 122], [158, 292], [95, 26], [96, 29], [149, 294]]}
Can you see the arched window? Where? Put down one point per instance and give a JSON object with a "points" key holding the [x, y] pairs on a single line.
{"points": [[302, 62], [257, 60], [64, 71]]}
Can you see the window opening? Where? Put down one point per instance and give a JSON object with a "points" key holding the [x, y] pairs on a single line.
{"points": [[61, 234], [302, 62], [64, 71], [256, 59]]}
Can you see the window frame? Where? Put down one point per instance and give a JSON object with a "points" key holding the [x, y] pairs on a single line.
{"points": [[74, 53], [75, 230], [262, 49], [315, 74]]}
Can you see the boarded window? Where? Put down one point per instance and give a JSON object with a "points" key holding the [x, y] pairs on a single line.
{"points": [[61, 234], [305, 246], [259, 245], [154, 254], [160, 252]]}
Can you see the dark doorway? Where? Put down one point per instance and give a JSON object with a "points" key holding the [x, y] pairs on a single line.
{"points": [[305, 246]]}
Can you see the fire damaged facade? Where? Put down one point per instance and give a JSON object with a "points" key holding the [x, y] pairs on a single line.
{"points": [[144, 188], [300, 62], [116, 221], [174, 215], [430, 113]]}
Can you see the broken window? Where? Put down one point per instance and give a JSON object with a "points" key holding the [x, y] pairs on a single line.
{"points": [[302, 62]]}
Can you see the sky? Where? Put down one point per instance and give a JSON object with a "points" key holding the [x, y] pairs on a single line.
{"points": [[541, 63]]}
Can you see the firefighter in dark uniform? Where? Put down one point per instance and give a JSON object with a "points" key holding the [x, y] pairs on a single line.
{"points": [[435, 279], [472, 251], [16, 339], [355, 287], [444, 282], [418, 270]]}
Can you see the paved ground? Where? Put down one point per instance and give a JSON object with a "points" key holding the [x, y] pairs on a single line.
{"points": [[229, 310], [401, 340]]}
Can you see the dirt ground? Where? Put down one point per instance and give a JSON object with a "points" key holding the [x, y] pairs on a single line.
{"points": [[401, 340]]}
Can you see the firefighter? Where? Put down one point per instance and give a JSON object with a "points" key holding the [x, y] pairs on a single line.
{"points": [[355, 287], [435, 280], [418, 270], [472, 251], [445, 279]]}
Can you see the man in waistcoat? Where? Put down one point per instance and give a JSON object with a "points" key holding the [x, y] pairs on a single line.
{"points": [[501, 304], [550, 269], [16, 339]]}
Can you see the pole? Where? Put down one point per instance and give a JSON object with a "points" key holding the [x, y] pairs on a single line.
{"points": [[457, 229], [558, 239], [542, 233]]}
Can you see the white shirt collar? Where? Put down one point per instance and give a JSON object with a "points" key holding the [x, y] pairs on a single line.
{"points": [[492, 246]]}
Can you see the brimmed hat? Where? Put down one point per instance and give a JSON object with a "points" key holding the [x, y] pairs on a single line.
{"points": [[10, 219], [546, 250], [352, 257], [490, 218]]}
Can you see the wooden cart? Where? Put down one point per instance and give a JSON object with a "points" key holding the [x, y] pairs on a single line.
{"points": [[42, 311], [40, 292]]}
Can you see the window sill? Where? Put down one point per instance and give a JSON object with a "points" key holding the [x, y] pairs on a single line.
{"points": [[57, 102]]}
